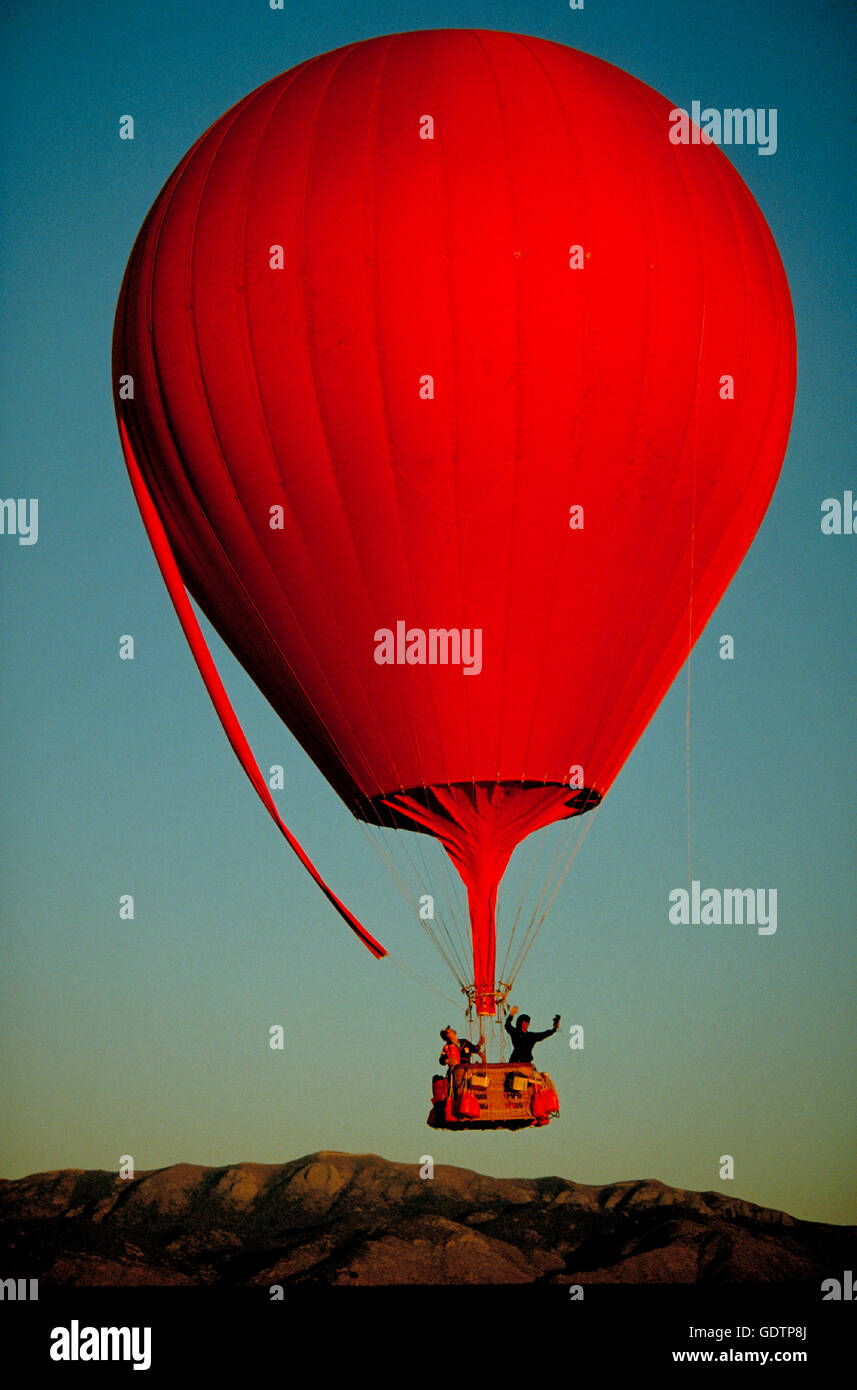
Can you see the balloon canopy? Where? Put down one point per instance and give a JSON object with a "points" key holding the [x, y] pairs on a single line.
{"points": [[460, 391]]}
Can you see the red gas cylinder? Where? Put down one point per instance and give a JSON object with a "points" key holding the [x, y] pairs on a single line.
{"points": [[545, 1102], [468, 1106]]}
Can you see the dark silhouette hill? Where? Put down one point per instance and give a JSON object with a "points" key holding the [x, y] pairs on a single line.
{"points": [[338, 1218]]}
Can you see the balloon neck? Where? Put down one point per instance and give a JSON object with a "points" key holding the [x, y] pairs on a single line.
{"points": [[479, 824], [486, 1002]]}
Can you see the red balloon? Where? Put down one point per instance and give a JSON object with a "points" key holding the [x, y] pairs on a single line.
{"points": [[441, 333]]}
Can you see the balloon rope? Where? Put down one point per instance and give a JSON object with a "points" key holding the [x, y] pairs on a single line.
{"points": [[690, 642], [547, 878], [406, 970], [213, 684], [687, 766], [535, 860], [421, 879], [455, 934], [456, 966], [525, 949]]}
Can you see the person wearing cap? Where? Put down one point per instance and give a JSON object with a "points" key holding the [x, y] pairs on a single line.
{"points": [[462, 1049], [451, 1054], [523, 1041]]}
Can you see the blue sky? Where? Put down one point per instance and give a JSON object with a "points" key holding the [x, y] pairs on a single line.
{"points": [[150, 1038]]}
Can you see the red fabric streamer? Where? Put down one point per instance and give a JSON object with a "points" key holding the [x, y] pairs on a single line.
{"points": [[215, 687]]}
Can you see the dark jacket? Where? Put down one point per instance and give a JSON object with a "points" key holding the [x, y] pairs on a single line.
{"points": [[523, 1043]]}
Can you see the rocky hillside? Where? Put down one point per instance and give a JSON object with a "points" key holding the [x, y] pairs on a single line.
{"points": [[341, 1218]]}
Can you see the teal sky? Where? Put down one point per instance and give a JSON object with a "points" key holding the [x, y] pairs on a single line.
{"points": [[150, 1037]]}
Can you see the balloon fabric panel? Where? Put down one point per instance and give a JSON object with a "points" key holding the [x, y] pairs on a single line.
{"points": [[420, 354]]}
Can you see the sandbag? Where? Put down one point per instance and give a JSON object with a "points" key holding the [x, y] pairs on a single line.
{"points": [[468, 1106]]}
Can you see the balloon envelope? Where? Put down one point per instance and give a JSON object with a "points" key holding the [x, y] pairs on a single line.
{"points": [[442, 333]]}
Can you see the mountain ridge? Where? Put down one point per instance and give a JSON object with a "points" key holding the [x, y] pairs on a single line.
{"points": [[359, 1219]]}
